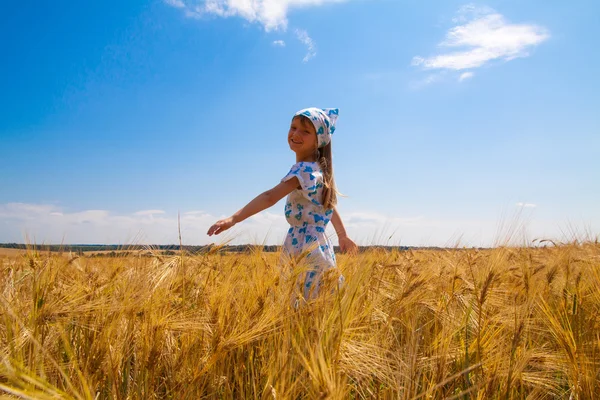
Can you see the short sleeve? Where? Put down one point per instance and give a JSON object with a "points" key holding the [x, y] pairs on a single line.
{"points": [[296, 171], [309, 178]]}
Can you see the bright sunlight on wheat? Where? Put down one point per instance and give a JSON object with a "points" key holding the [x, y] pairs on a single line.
{"points": [[500, 323]]}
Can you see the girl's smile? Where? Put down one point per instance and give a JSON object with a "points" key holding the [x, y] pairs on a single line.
{"points": [[302, 139]]}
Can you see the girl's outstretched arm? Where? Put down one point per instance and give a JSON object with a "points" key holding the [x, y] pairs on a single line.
{"points": [[259, 203], [346, 244]]}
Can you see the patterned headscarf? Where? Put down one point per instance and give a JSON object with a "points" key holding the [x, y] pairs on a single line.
{"points": [[323, 120]]}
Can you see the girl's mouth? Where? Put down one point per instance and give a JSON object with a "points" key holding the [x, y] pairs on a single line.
{"points": [[293, 141]]}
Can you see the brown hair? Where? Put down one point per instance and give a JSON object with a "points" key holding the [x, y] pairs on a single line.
{"points": [[323, 157]]}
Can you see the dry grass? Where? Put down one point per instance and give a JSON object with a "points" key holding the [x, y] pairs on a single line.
{"points": [[461, 324]]}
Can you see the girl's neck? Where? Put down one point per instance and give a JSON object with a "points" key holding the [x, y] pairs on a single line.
{"points": [[305, 159]]}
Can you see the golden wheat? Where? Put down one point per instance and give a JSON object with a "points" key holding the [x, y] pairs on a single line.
{"points": [[431, 324]]}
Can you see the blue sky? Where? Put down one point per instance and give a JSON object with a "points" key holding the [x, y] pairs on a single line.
{"points": [[460, 123]]}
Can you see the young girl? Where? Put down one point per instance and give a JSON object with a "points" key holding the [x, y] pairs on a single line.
{"points": [[311, 201]]}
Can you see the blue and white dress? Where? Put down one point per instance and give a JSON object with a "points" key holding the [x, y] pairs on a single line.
{"points": [[308, 219]]}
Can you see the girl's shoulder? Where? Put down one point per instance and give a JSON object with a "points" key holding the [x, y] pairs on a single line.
{"points": [[306, 166], [308, 174]]}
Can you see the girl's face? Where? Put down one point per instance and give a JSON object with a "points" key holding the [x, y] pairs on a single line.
{"points": [[302, 138]]}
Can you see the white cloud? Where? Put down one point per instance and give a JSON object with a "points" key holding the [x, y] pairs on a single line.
{"points": [[272, 14], [471, 11], [175, 3], [483, 35], [195, 213], [527, 205], [364, 219], [465, 76], [51, 224], [431, 79], [311, 49], [428, 80], [47, 224], [149, 212], [44, 223]]}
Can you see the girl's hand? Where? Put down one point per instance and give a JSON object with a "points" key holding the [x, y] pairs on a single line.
{"points": [[220, 226], [347, 245]]}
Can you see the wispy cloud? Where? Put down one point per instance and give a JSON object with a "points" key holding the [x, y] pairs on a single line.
{"points": [[51, 224], [44, 223], [428, 80], [175, 3], [311, 48], [149, 212], [481, 36], [363, 218], [526, 205], [197, 212], [271, 14], [465, 76]]}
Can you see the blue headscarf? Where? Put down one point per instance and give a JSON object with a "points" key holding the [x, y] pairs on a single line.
{"points": [[323, 119]]}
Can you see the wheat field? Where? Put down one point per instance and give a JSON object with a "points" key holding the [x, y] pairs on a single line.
{"points": [[501, 323]]}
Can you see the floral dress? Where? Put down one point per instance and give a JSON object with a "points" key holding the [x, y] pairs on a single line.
{"points": [[308, 219]]}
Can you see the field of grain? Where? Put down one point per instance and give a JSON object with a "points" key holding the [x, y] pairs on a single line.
{"points": [[455, 324]]}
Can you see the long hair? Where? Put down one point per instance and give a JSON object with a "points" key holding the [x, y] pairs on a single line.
{"points": [[329, 188], [325, 160]]}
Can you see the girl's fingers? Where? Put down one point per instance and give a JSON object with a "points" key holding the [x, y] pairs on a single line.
{"points": [[219, 227], [213, 230]]}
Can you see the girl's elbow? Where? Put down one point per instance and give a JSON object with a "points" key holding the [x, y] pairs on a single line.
{"points": [[270, 198]]}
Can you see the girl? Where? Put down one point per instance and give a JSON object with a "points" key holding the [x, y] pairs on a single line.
{"points": [[311, 201]]}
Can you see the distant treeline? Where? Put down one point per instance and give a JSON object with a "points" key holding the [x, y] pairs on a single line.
{"points": [[80, 248]]}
